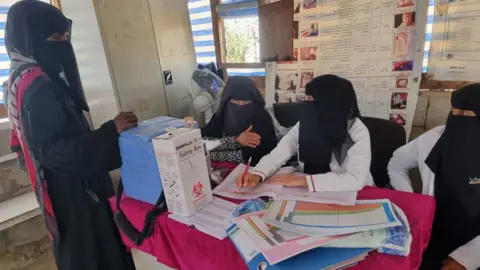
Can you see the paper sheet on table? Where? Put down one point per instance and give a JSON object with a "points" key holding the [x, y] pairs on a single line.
{"points": [[276, 244], [393, 240], [229, 189], [211, 145], [211, 219], [327, 219]]}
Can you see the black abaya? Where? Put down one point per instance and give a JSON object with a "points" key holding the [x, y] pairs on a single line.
{"points": [[76, 162]]}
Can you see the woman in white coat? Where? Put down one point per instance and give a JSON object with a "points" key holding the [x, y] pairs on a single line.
{"points": [[447, 157], [332, 143]]}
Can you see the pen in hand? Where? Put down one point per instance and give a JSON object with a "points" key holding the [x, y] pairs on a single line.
{"points": [[245, 173]]}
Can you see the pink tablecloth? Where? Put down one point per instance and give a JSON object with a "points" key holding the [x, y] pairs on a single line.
{"points": [[180, 247]]}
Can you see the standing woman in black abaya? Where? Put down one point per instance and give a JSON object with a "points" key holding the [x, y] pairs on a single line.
{"points": [[68, 164]]}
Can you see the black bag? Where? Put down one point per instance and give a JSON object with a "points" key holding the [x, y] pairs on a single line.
{"points": [[127, 228]]}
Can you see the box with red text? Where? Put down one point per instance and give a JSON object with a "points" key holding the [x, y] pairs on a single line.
{"points": [[183, 169]]}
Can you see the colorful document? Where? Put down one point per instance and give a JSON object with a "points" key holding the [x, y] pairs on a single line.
{"points": [[319, 258], [392, 240], [275, 243], [228, 188], [328, 219]]}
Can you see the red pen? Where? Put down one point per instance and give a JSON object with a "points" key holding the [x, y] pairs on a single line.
{"points": [[245, 173]]}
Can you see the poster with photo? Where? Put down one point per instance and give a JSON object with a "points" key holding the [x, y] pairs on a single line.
{"points": [[375, 45], [308, 29], [403, 44], [401, 82], [404, 20], [399, 101], [402, 66], [286, 82], [308, 53], [404, 3], [305, 77], [310, 5], [399, 118]]}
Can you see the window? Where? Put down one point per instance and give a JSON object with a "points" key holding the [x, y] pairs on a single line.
{"points": [[239, 37]]}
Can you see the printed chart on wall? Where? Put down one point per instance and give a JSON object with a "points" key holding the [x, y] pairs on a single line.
{"points": [[455, 45], [370, 42]]}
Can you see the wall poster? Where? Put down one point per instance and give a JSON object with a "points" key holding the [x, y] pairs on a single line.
{"points": [[376, 44]]}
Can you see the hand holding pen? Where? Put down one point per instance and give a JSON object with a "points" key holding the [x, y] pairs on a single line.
{"points": [[247, 179]]}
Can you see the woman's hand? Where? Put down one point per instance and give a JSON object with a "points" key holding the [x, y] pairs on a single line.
{"points": [[288, 180], [249, 180], [451, 264], [125, 120], [249, 138]]}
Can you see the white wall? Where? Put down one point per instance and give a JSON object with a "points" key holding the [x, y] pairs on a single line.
{"points": [[92, 60]]}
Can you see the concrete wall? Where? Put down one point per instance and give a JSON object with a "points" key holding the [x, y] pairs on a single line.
{"points": [[431, 111]]}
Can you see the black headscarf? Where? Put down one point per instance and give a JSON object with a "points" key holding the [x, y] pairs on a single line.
{"points": [[455, 157], [237, 118], [325, 122], [29, 24]]}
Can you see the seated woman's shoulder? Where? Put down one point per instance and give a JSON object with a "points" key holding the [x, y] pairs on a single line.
{"points": [[358, 130]]}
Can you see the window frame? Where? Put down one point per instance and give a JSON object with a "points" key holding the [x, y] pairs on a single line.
{"points": [[219, 36]]}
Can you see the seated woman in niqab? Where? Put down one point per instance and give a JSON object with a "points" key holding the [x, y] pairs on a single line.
{"points": [[447, 157], [244, 126], [332, 143]]}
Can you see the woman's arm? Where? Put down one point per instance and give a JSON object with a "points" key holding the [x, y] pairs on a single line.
{"points": [[82, 155], [357, 166], [226, 144], [263, 126], [286, 148], [403, 160], [468, 254]]}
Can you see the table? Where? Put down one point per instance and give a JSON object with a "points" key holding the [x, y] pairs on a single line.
{"points": [[180, 247]]}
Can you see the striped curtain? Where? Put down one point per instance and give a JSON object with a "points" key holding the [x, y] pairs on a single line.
{"points": [[4, 59], [202, 30], [428, 35]]}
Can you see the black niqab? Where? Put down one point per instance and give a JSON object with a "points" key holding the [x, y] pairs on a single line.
{"points": [[454, 158], [237, 118], [29, 24], [325, 122]]}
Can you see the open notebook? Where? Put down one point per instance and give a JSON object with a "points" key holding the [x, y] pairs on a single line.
{"points": [[229, 189]]}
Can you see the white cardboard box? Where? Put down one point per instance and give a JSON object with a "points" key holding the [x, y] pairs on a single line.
{"points": [[183, 169]]}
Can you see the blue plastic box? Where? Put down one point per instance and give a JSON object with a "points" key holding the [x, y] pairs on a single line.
{"points": [[139, 172]]}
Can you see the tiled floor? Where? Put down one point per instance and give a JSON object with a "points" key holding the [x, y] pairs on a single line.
{"points": [[142, 261]]}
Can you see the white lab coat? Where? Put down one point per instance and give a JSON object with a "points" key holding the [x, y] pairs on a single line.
{"points": [[352, 175], [413, 155]]}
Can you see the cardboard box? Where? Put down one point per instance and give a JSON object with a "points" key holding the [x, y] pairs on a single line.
{"points": [[139, 171], [183, 170]]}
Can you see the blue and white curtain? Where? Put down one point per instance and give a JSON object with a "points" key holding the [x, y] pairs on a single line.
{"points": [[202, 30], [4, 59], [428, 36]]}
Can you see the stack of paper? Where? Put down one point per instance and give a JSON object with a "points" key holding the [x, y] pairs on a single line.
{"points": [[320, 258], [290, 229], [328, 219], [211, 219]]}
